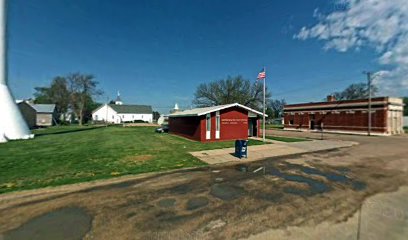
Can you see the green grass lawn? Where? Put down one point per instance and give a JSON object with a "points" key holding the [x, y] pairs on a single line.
{"points": [[62, 155], [274, 126], [286, 139]]}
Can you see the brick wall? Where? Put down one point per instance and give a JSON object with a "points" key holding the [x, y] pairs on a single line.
{"points": [[189, 127], [233, 125], [338, 120]]}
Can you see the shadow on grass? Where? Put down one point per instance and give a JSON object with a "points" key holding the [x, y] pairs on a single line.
{"points": [[40, 134]]}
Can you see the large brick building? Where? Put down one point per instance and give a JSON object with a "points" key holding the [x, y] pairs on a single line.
{"points": [[218, 123], [348, 116]]}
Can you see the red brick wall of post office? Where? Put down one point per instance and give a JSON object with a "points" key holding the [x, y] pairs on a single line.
{"points": [[188, 127], [343, 120], [259, 127], [233, 125]]}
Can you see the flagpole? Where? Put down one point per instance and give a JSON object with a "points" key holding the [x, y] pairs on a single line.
{"points": [[264, 88]]}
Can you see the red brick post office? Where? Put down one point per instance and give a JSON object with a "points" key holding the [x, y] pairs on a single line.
{"points": [[217, 123], [347, 116]]}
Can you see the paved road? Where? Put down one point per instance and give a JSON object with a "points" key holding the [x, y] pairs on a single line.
{"points": [[382, 216], [391, 151], [316, 194]]}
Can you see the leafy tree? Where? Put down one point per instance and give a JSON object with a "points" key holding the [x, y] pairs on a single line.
{"points": [[275, 108], [91, 105], [156, 115], [82, 87], [406, 106], [57, 94], [230, 90], [42, 95], [356, 91]]}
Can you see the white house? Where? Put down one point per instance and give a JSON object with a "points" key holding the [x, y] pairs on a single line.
{"points": [[120, 113]]}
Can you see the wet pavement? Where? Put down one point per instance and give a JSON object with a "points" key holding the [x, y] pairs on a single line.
{"points": [[223, 202], [196, 200], [66, 223], [226, 192], [196, 203]]}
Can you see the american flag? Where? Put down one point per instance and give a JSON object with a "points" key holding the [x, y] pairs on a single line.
{"points": [[261, 74]]}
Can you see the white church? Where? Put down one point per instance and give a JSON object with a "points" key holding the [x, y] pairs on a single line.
{"points": [[122, 113]]}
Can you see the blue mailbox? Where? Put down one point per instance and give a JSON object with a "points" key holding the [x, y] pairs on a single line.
{"points": [[241, 148]]}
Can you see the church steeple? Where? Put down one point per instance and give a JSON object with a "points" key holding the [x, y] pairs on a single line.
{"points": [[118, 101]]}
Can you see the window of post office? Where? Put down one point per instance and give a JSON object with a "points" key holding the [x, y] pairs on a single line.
{"points": [[208, 121], [218, 121]]}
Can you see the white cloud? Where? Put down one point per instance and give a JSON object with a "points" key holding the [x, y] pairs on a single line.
{"points": [[378, 24]]}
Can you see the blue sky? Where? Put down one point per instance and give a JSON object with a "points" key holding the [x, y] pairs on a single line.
{"points": [[157, 52]]}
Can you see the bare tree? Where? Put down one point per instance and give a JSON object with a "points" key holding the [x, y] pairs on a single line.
{"points": [[355, 91], [82, 87], [275, 108], [230, 90]]}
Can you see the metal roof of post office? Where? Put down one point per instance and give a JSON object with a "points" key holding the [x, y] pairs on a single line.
{"points": [[205, 110]]}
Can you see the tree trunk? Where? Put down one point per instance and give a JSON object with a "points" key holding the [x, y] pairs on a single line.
{"points": [[80, 116]]}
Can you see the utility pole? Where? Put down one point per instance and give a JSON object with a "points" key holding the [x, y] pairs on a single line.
{"points": [[264, 105], [369, 78], [262, 75]]}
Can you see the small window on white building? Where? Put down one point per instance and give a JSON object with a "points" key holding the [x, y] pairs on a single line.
{"points": [[96, 117]]}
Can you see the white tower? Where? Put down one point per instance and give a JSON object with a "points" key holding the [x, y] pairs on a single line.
{"points": [[118, 101], [176, 107], [12, 123]]}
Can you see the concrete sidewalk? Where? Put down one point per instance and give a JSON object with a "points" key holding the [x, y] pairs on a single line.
{"points": [[258, 152]]}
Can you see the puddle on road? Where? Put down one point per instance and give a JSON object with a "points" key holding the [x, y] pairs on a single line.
{"points": [[182, 189], [226, 192], [331, 176], [315, 186], [66, 223], [336, 175], [196, 203]]}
